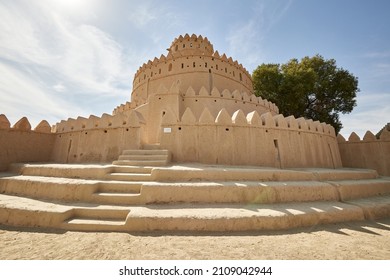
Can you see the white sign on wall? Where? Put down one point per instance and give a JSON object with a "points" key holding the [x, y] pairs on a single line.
{"points": [[167, 130]]}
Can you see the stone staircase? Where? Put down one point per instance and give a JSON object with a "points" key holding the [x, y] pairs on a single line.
{"points": [[187, 197], [146, 157]]}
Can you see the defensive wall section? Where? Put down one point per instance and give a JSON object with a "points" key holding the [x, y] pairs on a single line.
{"points": [[20, 143], [252, 139], [370, 152], [96, 139]]}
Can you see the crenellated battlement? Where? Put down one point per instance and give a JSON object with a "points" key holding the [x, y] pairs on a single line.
{"points": [[368, 137], [252, 119], [158, 65], [193, 61], [369, 152], [106, 121], [22, 143], [214, 99], [182, 46], [24, 125], [237, 96]]}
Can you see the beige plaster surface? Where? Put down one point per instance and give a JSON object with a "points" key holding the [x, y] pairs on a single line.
{"points": [[351, 240]]}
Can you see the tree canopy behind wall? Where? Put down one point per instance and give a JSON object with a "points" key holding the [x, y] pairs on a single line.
{"points": [[314, 88]]}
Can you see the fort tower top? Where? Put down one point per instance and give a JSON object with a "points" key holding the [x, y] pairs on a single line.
{"points": [[193, 61]]}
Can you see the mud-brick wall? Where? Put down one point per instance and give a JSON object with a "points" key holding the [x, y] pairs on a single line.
{"points": [[265, 140], [97, 140], [21, 144], [370, 152]]}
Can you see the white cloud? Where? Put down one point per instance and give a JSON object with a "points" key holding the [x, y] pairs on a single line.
{"points": [[59, 87], [21, 96], [43, 51]]}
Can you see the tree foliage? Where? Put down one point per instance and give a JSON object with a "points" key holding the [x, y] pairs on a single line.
{"points": [[314, 88]]}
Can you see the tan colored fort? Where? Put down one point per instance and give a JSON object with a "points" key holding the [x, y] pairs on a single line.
{"points": [[193, 149]]}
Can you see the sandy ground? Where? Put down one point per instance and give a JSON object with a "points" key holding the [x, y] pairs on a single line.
{"points": [[359, 240]]}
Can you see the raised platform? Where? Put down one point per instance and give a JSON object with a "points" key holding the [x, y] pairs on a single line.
{"points": [[187, 197]]}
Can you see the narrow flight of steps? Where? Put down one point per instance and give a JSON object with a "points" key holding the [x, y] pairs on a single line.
{"points": [[187, 197], [150, 156]]}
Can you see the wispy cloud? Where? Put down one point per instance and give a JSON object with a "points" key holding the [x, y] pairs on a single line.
{"points": [[378, 54], [22, 95], [63, 56], [143, 14], [245, 39]]}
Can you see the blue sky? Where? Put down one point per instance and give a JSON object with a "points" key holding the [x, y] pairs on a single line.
{"points": [[69, 58]]}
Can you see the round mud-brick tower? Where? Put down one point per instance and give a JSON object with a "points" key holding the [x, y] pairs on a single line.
{"points": [[192, 61]]}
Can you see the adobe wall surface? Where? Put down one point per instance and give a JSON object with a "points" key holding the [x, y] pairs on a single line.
{"points": [[96, 139], [250, 139], [369, 152], [21, 144], [176, 102]]}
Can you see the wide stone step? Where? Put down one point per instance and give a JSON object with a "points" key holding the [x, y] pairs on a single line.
{"points": [[120, 187], [115, 198], [132, 169], [96, 220], [261, 192], [238, 217], [129, 176], [18, 211], [143, 157], [146, 152], [141, 162], [231, 173], [83, 171], [233, 217]]}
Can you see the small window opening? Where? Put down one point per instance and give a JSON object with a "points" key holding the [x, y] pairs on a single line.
{"points": [[170, 67]]}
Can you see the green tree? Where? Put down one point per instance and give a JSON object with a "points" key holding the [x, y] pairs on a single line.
{"points": [[314, 88]]}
